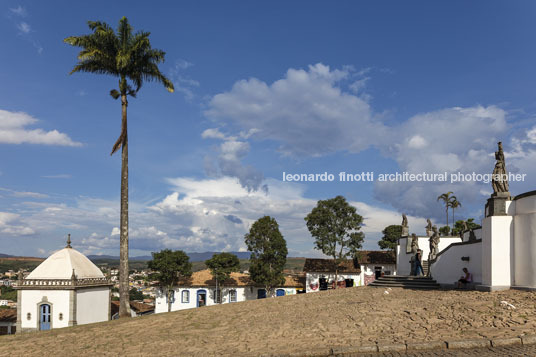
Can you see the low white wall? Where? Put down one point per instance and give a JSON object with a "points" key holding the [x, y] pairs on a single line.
{"points": [[92, 305], [525, 242], [59, 303], [448, 266], [403, 259]]}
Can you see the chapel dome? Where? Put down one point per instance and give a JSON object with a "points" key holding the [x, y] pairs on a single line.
{"points": [[60, 265]]}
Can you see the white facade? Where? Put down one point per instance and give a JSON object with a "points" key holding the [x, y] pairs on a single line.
{"points": [[67, 289], [312, 279], [501, 255], [188, 297]]}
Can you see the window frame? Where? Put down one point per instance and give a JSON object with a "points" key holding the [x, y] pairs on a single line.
{"points": [[231, 292], [187, 294]]}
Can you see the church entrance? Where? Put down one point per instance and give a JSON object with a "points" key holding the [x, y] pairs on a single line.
{"points": [[44, 317]]}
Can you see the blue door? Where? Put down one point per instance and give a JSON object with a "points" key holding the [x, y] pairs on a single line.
{"points": [[280, 292], [261, 294], [201, 298], [44, 317]]}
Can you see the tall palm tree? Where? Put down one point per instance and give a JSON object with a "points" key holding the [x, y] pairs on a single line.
{"points": [[454, 203], [129, 57], [446, 199]]}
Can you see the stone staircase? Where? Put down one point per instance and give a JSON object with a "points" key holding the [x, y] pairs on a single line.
{"points": [[425, 267], [406, 282]]}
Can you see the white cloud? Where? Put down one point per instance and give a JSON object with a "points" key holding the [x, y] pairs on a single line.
{"points": [[59, 176], [310, 114], [10, 225], [228, 162], [24, 27], [13, 130], [182, 83], [306, 111], [24, 193], [19, 10]]}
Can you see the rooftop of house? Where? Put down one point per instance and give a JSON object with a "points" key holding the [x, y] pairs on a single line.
{"points": [[205, 278], [8, 315], [376, 257], [328, 266], [138, 307]]}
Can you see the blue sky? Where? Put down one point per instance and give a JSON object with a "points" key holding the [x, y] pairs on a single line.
{"points": [[262, 89]]}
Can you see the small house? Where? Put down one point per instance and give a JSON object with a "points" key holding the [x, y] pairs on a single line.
{"points": [[320, 274]]}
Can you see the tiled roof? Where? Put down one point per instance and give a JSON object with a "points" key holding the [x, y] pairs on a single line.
{"points": [[138, 307], [205, 278], [376, 257], [328, 266], [8, 315]]}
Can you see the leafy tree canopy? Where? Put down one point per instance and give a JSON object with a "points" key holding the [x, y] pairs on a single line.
{"points": [[444, 231], [335, 226], [390, 237], [268, 253], [171, 266], [222, 265], [458, 227]]}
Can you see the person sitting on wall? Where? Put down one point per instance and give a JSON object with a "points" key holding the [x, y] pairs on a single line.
{"points": [[467, 278]]}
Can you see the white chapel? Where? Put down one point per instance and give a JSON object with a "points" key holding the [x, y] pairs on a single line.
{"points": [[67, 289]]}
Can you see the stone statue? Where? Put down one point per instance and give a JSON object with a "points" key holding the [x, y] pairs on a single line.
{"points": [[404, 220], [499, 180], [434, 244], [20, 276], [414, 243], [464, 229], [405, 228], [428, 227]]}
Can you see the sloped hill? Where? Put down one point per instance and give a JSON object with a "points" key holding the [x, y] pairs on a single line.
{"points": [[303, 323]]}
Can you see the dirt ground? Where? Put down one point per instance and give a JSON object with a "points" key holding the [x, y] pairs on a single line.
{"points": [[300, 323]]}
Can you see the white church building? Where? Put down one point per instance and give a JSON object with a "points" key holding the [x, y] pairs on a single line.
{"points": [[501, 255], [67, 289]]}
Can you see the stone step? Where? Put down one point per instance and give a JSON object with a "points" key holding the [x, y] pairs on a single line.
{"points": [[408, 282]]}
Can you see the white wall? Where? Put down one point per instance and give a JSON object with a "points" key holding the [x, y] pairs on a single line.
{"points": [[448, 266], [525, 242], [242, 294], [92, 305], [403, 265], [59, 303], [312, 279], [497, 255]]}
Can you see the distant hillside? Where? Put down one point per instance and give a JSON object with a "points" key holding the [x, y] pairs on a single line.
{"points": [[194, 257]]}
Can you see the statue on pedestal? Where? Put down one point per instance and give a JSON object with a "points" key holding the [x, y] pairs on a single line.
{"points": [[414, 243], [405, 227], [499, 180], [434, 244], [428, 227]]}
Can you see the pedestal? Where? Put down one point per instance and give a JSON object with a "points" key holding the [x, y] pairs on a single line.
{"points": [[497, 237]]}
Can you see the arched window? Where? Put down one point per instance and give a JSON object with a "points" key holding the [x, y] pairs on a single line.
{"points": [[185, 296], [232, 295]]}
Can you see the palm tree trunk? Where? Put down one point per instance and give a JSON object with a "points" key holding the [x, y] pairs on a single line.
{"points": [[124, 305], [447, 210]]}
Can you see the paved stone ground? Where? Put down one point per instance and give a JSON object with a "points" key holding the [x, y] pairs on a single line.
{"points": [[304, 324], [516, 350]]}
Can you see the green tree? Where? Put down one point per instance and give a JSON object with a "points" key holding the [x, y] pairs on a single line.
{"points": [[444, 231], [390, 237], [458, 227], [131, 59], [221, 266], [171, 267], [134, 294], [268, 253], [335, 226], [445, 197], [454, 203]]}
